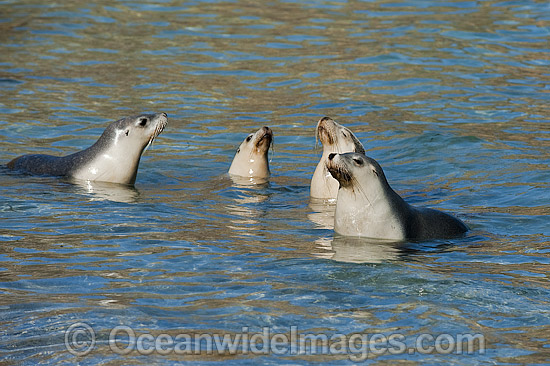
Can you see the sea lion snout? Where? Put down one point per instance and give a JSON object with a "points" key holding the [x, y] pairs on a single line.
{"points": [[326, 131], [265, 137], [339, 170], [267, 132]]}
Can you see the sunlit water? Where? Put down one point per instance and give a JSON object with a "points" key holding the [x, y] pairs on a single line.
{"points": [[450, 97]]}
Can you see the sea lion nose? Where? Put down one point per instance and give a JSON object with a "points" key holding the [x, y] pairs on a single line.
{"points": [[331, 156]]}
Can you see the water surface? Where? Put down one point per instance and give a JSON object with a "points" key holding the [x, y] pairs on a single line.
{"points": [[451, 99]]}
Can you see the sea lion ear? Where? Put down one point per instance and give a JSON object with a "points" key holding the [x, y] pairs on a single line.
{"points": [[374, 170], [238, 150]]}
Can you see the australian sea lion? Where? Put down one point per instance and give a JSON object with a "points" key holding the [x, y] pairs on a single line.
{"points": [[114, 157], [251, 157], [335, 139], [367, 206]]}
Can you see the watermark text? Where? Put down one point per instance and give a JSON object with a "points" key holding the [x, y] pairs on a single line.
{"points": [[80, 340]]}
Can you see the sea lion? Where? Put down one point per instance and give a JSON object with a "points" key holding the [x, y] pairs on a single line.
{"points": [[251, 157], [367, 206], [113, 158], [335, 139]]}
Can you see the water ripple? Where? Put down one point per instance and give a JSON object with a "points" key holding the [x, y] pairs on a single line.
{"points": [[450, 98]]}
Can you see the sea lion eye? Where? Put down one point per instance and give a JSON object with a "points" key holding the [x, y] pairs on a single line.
{"points": [[143, 122], [127, 132], [248, 138], [358, 161]]}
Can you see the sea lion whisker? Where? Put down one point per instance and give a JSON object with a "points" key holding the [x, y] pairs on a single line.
{"points": [[272, 148], [318, 132], [149, 143], [158, 130], [361, 190]]}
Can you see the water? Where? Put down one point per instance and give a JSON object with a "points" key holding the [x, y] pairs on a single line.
{"points": [[451, 99]]}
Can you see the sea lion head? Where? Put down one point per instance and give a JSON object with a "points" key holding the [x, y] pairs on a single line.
{"points": [[116, 154], [251, 157], [365, 205], [337, 138], [356, 171], [134, 133]]}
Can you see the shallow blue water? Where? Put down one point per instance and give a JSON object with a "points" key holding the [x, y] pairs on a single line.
{"points": [[451, 99]]}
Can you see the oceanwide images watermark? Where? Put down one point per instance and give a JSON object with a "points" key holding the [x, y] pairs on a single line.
{"points": [[80, 340]]}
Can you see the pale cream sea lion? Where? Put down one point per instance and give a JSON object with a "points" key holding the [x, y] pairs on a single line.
{"points": [[335, 139], [113, 158], [367, 206], [251, 159]]}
